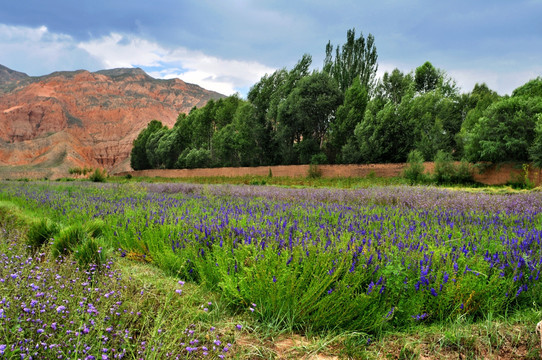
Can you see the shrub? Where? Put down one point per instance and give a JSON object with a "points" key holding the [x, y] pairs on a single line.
{"points": [[445, 171], [464, 173], [414, 170], [40, 233], [98, 175], [314, 172]]}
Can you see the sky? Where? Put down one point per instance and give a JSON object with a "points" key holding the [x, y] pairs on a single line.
{"points": [[228, 45]]}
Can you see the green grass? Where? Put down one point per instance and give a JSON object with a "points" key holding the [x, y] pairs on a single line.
{"points": [[343, 182]]}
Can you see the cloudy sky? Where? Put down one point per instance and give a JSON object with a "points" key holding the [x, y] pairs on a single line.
{"points": [[227, 45]]}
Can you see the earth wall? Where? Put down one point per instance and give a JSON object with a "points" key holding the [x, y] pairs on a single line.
{"points": [[498, 174]]}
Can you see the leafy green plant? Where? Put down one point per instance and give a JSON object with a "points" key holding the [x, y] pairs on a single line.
{"points": [[414, 170]]}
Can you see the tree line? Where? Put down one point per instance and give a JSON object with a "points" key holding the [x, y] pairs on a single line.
{"points": [[342, 114]]}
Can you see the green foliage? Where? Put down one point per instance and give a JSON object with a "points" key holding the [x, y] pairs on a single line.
{"points": [[535, 150], [532, 88], [392, 87], [356, 59], [477, 102], [79, 171], [505, 132], [444, 170], [414, 171], [304, 116], [40, 233], [90, 252], [194, 158], [447, 172], [138, 155], [314, 172], [99, 175], [349, 114], [95, 228], [426, 78]]}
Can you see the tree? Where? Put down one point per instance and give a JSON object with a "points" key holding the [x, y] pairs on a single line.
{"points": [[535, 151], [349, 114], [532, 88], [475, 103], [426, 78], [308, 111], [357, 58], [138, 155], [386, 133], [156, 161], [392, 87], [505, 132]]}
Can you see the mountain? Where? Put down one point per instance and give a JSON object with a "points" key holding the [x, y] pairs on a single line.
{"points": [[51, 123]]}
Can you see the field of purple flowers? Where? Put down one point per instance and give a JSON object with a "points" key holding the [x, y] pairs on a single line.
{"points": [[361, 260]]}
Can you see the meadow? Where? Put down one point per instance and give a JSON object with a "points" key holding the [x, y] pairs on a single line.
{"points": [[365, 262]]}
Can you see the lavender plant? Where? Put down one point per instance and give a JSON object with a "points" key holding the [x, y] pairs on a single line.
{"points": [[362, 259]]}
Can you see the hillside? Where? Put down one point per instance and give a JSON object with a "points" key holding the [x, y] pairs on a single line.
{"points": [[51, 123]]}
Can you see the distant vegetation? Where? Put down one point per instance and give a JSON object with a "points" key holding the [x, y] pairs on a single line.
{"points": [[342, 115]]}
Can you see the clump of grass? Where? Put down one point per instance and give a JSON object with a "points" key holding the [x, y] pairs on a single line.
{"points": [[68, 239], [40, 233], [94, 228], [90, 253]]}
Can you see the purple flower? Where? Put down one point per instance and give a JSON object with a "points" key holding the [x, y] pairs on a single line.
{"points": [[239, 327]]}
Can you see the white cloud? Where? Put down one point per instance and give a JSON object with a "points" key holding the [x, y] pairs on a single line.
{"points": [[38, 51], [116, 50], [213, 73]]}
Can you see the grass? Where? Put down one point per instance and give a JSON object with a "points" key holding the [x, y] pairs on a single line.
{"points": [[284, 181], [172, 313]]}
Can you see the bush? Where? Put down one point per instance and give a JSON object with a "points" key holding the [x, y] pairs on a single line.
{"points": [[314, 172], [98, 175], [414, 170], [464, 173], [445, 171], [39, 233]]}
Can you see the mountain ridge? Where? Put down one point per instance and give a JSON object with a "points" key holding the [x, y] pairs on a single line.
{"points": [[93, 116]]}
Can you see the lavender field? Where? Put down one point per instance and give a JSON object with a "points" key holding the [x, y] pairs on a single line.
{"points": [[321, 259]]}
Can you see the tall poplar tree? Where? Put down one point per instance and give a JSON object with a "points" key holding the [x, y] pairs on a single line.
{"points": [[357, 58]]}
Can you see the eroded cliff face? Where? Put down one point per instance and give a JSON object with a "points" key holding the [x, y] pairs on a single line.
{"points": [[79, 118]]}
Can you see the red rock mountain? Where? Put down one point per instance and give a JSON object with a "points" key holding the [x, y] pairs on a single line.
{"points": [[51, 123]]}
